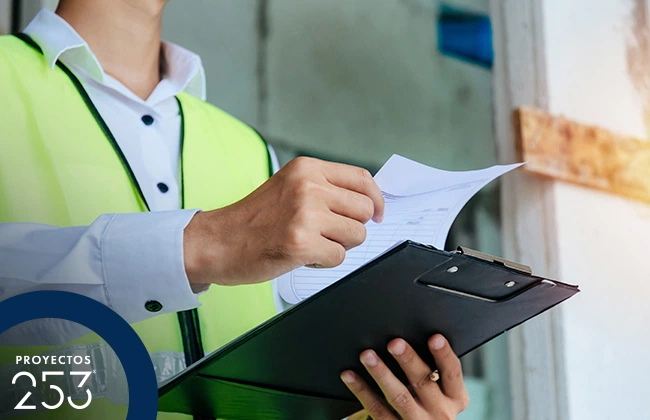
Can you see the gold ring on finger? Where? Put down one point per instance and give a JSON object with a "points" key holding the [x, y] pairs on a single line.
{"points": [[434, 376]]}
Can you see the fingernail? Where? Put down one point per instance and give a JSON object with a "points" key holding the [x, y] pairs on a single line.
{"points": [[369, 358], [397, 348], [438, 343], [348, 377], [381, 219]]}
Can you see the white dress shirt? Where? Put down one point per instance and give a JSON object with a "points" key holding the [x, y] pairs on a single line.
{"points": [[121, 260]]}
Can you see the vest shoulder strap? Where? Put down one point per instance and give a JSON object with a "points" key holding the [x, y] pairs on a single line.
{"points": [[236, 128], [15, 52]]}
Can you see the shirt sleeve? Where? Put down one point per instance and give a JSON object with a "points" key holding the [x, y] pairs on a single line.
{"points": [[280, 304], [132, 262], [275, 163]]}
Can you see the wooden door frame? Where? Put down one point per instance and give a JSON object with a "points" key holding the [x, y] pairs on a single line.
{"points": [[536, 359]]}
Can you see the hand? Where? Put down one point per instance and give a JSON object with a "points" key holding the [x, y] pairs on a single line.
{"points": [[441, 400], [309, 213]]}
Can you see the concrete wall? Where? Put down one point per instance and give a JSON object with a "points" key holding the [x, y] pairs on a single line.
{"points": [[5, 16], [349, 80], [224, 34], [29, 8], [594, 56], [364, 78]]}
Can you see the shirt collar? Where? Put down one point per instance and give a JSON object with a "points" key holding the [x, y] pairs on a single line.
{"points": [[59, 41]]}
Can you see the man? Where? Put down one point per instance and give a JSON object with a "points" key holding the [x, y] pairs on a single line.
{"points": [[109, 152]]}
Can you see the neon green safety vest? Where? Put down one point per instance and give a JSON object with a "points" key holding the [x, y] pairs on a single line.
{"points": [[59, 165]]}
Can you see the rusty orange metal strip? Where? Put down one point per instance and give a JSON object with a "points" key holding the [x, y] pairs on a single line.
{"points": [[559, 148]]}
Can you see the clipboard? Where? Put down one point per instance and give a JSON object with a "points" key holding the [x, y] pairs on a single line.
{"points": [[289, 366]]}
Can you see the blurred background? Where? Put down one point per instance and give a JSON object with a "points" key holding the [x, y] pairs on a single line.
{"points": [[358, 80]]}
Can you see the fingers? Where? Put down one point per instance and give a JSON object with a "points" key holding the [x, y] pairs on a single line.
{"points": [[347, 232], [373, 404], [359, 180], [359, 415], [351, 204], [416, 371], [451, 373], [330, 254], [446, 398], [396, 393]]}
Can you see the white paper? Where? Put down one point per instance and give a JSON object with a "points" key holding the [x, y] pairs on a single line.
{"points": [[421, 205]]}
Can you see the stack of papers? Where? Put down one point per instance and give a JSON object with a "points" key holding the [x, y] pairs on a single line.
{"points": [[421, 205]]}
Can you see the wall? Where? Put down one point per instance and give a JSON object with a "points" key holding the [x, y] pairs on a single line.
{"points": [[344, 79], [602, 240], [224, 34], [5, 16], [364, 78]]}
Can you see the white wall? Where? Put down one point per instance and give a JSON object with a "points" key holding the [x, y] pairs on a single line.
{"points": [[603, 240]]}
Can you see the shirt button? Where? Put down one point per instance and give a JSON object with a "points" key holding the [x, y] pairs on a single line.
{"points": [[147, 119], [163, 187], [153, 306]]}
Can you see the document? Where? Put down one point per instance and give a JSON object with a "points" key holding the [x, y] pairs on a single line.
{"points": [[421, 205]]}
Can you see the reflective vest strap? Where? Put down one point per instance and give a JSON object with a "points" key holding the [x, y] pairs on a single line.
{"points": [[96, 115], [191, 333]]}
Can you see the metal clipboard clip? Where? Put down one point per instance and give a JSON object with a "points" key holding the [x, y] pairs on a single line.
{"points": [[498, 260]]}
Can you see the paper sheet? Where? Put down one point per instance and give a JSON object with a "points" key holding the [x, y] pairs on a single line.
{"points": [[421, 205]]}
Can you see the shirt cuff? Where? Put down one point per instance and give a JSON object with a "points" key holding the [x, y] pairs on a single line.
{"points": [[143, 264]]}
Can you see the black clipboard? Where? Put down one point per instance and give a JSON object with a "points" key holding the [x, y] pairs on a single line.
{"points": [[289, 366]]}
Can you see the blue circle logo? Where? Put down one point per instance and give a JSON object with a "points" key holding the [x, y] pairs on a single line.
{"points": [[140, 374]]}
